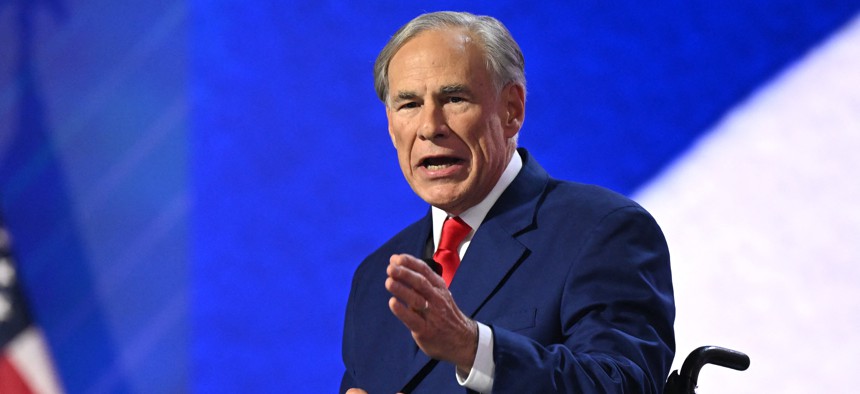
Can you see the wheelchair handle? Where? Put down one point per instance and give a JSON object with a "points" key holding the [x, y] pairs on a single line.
{"points": [[686, 381], [712, 355]]}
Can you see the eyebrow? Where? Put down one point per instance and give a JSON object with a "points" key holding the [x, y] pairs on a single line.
{"points": [[407, 95], [455, 88]]}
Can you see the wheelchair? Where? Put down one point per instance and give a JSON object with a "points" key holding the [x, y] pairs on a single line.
{"points": [[685, 381]]}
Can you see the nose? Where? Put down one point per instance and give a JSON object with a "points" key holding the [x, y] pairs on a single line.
{"points": [[433, 124]]}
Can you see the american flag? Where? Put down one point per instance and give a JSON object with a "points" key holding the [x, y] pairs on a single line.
{"points": [[25, 366]]}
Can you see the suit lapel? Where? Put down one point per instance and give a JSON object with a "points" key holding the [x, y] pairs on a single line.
{"points": [[495, 249], [492, 255]]}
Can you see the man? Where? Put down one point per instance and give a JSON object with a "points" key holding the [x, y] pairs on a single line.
{"points": [[554, 286]]}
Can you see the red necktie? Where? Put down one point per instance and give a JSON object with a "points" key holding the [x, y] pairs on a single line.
{"points": [[454, 231]]}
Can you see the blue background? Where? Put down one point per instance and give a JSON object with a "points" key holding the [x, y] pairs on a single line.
{"points": [[191, 184]]}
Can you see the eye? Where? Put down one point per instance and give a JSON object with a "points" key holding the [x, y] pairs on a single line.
{"points": [[408, 105], [456, 99]]}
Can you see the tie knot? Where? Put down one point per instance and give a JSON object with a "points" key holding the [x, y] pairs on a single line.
{"points": [[454, 231]]}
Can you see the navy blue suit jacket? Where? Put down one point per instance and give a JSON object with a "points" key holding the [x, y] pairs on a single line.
{"points": [[573, 279]]}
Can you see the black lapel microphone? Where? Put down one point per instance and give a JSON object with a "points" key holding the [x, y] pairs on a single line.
{"points": [[436, 267]]}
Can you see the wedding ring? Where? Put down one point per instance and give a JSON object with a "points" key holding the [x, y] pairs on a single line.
{"points": [[423, 310]]}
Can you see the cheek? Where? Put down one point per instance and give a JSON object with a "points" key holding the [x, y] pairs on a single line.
{"points": [[396, 136], [402, 144], [489, 143]]}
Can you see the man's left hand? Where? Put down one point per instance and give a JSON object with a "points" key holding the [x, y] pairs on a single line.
{"points": [[421, 301]]}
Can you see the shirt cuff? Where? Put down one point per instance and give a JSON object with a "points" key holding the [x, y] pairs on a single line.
{"points": [[481, 376]]}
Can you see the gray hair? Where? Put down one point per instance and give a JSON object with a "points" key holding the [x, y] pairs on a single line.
{"points": [[503, 55]]}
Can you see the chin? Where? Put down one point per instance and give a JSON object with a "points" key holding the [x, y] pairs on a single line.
{"points": [[443, 195], [446, 204], [438, 200]]}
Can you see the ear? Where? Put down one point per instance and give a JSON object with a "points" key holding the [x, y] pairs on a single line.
{"points": [[514, 100]]}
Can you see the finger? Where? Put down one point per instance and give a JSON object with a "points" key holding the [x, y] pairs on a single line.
{"points": [[414, 264], [416, 274], [414, 321], [407, 275], [406, 294]]}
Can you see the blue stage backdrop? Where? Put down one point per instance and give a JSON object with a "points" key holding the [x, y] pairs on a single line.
{"points": [[190, 185]]}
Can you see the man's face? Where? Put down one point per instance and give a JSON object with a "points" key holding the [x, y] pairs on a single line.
{"points": [[451, 128]]}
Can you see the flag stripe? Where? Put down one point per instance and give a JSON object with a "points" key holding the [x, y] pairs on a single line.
{"points": [[10, 380], [29, 353]]}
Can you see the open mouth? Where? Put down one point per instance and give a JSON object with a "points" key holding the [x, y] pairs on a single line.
{"points": [[439, 163]]}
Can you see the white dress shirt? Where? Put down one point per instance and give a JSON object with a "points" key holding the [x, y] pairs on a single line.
{"points": [[481, 376]]}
